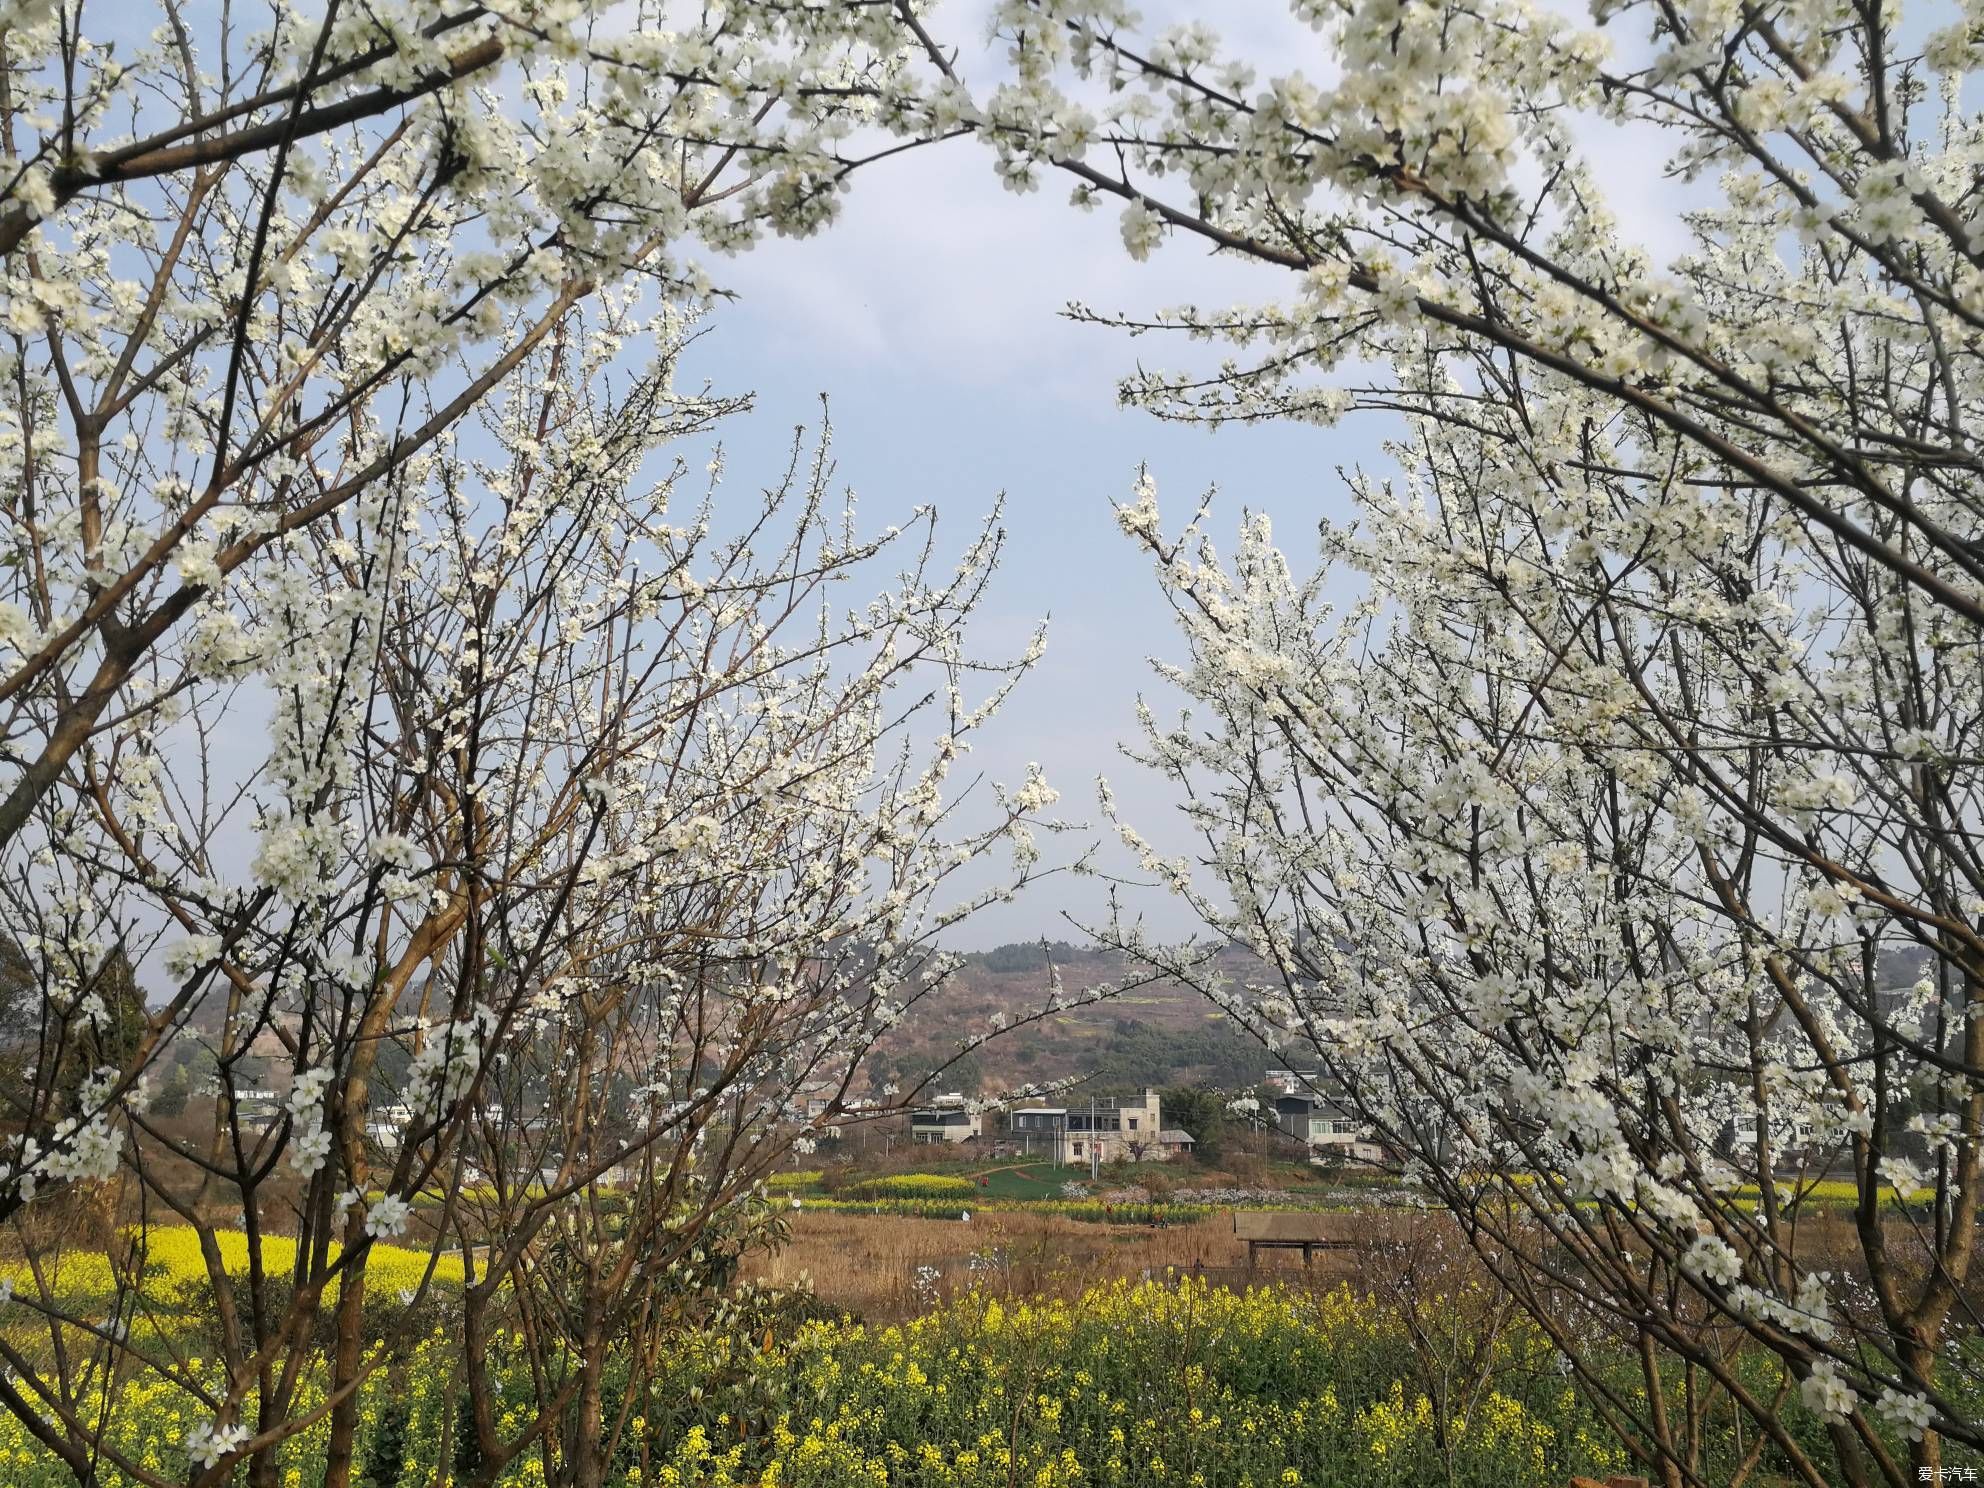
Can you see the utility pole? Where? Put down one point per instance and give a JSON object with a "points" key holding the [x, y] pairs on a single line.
{"points": [[1094, 1150]]}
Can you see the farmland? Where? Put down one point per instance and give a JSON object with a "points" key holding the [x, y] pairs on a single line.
{"points": [[1025, 1347]]}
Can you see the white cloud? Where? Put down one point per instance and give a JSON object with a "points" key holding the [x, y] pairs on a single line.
{"points": [[931, 312], [934, 267]]}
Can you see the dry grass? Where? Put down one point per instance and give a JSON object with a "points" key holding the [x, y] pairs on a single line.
{"points": [[875, 1266]]}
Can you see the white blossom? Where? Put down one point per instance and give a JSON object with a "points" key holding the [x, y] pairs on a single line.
{"points": [[387, 1216]]}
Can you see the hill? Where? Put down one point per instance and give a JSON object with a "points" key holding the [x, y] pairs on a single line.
{"points": [[1160, 1033]]}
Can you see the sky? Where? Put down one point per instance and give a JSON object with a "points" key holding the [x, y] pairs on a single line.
{"points": [[930, 316]]}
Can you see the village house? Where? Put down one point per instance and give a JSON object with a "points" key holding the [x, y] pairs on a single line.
{"points": [[813, 1107], [948, 1118], [1311, 1107], [1107, 1130]]}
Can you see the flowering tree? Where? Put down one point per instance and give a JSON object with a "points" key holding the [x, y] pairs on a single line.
{"points": [[1606, 806], [250, 276], [531, 864], [723, 901], [252, 279], [593, 846]]}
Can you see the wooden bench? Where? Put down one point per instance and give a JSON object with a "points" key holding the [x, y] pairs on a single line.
{"points": [[1307, 1232]]}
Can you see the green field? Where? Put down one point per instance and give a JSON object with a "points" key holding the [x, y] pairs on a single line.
{"points": [[1039, 1180]]}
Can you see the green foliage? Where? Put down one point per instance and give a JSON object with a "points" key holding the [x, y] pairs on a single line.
{"points": [[1138, 1055], [172, 1092], [385, 1453], [965, 1073], [30, 1044], [1200, 1110], [1028, 955]]}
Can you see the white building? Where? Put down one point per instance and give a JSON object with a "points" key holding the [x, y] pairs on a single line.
{"points": [[1108, 1130], [948, 1118]]}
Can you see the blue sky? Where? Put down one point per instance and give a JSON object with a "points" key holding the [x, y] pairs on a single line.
{"points": [[930, 316]]}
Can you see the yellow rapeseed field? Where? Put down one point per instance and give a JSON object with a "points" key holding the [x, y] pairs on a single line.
{"points": [[173, 1261], [1145, 1384]]}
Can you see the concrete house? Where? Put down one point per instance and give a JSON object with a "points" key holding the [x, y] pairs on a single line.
{"points": [[948, 1118], [1310, 1107], [1105, 1130]]}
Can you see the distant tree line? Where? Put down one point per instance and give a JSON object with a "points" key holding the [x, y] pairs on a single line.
{"points": [[1030, 955]]}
